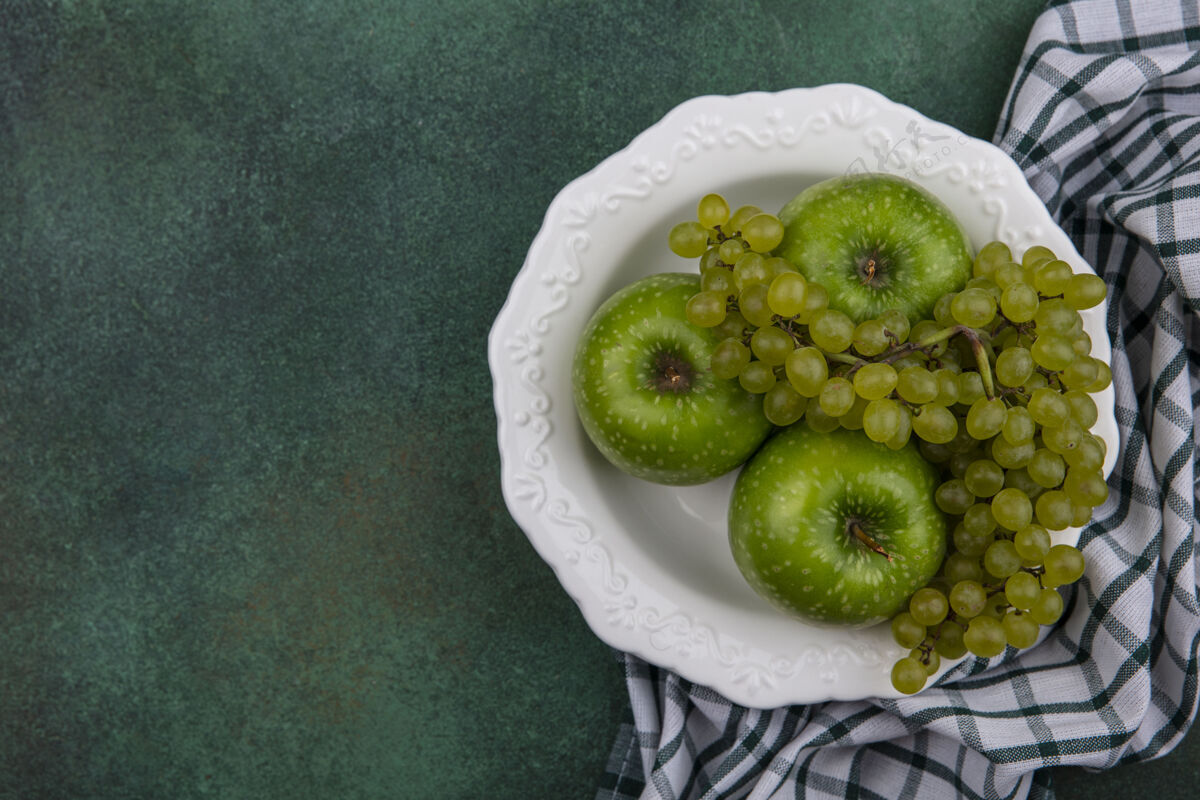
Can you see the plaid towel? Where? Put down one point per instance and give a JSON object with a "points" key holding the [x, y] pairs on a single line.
{"points": [[1104, 118]]}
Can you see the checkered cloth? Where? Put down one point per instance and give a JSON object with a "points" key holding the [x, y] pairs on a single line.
{"points": [[1104, 118]]}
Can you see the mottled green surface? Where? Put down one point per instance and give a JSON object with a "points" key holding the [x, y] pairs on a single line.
{"points": [[252, 542]]}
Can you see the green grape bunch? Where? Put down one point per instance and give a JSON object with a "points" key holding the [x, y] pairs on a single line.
{"points": [[996, 389]]}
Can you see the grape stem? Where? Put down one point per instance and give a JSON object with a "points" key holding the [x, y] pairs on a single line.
{"points": [[978, 348]]}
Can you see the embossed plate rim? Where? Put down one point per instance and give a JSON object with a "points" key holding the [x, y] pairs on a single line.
{"points": [[633, 599]]}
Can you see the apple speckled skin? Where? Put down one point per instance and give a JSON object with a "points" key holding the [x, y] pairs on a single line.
{"points": [[788, 526], [677, 434], [876, 242]]}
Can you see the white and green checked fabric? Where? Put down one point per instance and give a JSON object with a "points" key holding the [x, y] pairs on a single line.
{"points": [[1104, 117]]}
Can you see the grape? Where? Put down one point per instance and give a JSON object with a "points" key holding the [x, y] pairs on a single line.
{"points": [[990, 256], [735, 324], [1012, 508], [1064, 564], [763, 232], [1052, 277], [777, 266], [741, 217], [895, 323], [916, 385], [1012, 456], [1047, 468], [785, 296], [1056, 316], [986, 418], [756, 377], [706, 309], [1054, 510], [971, 542], [873, 381], [753, 303], [983, 477], [985, 637], [979, 518], [1084, 291], [1085, 487], [771, 345], [818, 420], [783, 405], [903, 431], [1037, 255], [1019, 426], [1063, 438], [709, 260], [1080, 373], [1019, 479], [953, 497], [973, 307], [961, 567], [1014, 366], [967, 598], [1081, 516], [930, 659], [1036, 381], [750, 269], [996, 605], [1047, 608], [807, 370], [942, 314], [719, 281], [907, 632], [934, 424], [950, 641], [1081, 343], [837, 396], [908, 675], [947, 387], [881, 419], [712, 210], [1008, 275], [1083, 408], [1020, 630], [934, 453], [970, 387], [1001, 559], [852, 420], [1048, 407], [1019, 302], [816, 298], [729, 357], [922, 330], [1032, 543], [1022, 590], [730, 250], [831, 330], [1088, 454], [1052, 351], [688, 240], [870, 338], [1103, 379], [928, 606]]}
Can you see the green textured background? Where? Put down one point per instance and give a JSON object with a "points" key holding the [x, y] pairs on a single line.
{"points": [[252, 541]]}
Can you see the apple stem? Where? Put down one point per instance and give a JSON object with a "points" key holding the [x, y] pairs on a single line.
{"points": [[854, 528]]}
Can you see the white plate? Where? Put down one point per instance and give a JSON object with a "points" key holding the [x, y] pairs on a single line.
{"points": [[649, 565]]}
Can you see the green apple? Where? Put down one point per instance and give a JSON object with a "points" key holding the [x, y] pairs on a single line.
{"points": [[876, 242], [646, 396], [834, 528]]}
